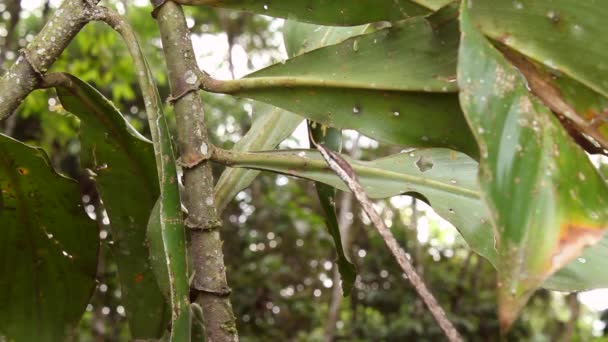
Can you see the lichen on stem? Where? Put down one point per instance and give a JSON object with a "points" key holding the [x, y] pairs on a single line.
{"points": [[25, 75]]}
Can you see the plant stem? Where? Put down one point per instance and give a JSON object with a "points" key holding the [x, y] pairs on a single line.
{"points": [[209, 283], [26, 73], [172, 228]]}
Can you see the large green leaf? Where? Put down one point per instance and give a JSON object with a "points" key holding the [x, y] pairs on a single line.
{"points": [[48, 247], [546, 199], [335, 12], [391, 176], [564, 35], [447, 179], [126, 178], [404, 100], [273, 125]]}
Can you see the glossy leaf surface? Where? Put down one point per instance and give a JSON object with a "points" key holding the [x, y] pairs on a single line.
{"points": [[395, 101], [547, 201], [48, 247], [125, 169]]}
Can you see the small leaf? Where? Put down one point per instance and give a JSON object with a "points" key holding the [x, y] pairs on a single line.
{"points": [[547, 202], [126, 179], [48, 247]]}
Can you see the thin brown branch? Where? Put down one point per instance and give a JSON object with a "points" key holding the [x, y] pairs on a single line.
{"points": [[25, 74], [347, 174], [209, 284]]}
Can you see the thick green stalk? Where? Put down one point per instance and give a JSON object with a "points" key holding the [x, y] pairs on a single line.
{"points": [[209, 279], [172, 229], [25, 75]]}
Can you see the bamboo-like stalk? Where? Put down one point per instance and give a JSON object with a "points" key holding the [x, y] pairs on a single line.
{"points": [[209, 280], [172, 228], [26, 73]]}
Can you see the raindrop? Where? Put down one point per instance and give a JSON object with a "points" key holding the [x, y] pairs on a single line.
{"points": [[453, 181], [396, 113], [356, 109], [265, 7], [582, 260]]}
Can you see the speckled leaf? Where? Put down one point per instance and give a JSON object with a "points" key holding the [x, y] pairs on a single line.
{"points": [[344, 85], [335, 12], [547, 201], [125, 169], [447, 179], [565, 35], [48, 247]]}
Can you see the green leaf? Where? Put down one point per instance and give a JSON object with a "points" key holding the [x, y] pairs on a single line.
{"points": [[447, 180], [269, 128], [381, 179], [273, 125], [335, 12], [404, 100], [547, 201], [549, 32], [331, 138], [48, 247], [124, 164]]}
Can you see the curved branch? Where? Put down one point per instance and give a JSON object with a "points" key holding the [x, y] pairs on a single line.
{"points": [[26, 73]]}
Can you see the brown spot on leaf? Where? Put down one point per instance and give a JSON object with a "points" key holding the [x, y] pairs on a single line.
{"points": [[23, 171], [574, 238]]}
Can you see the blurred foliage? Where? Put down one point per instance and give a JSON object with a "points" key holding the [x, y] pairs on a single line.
{"points": [[278, 254]]}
